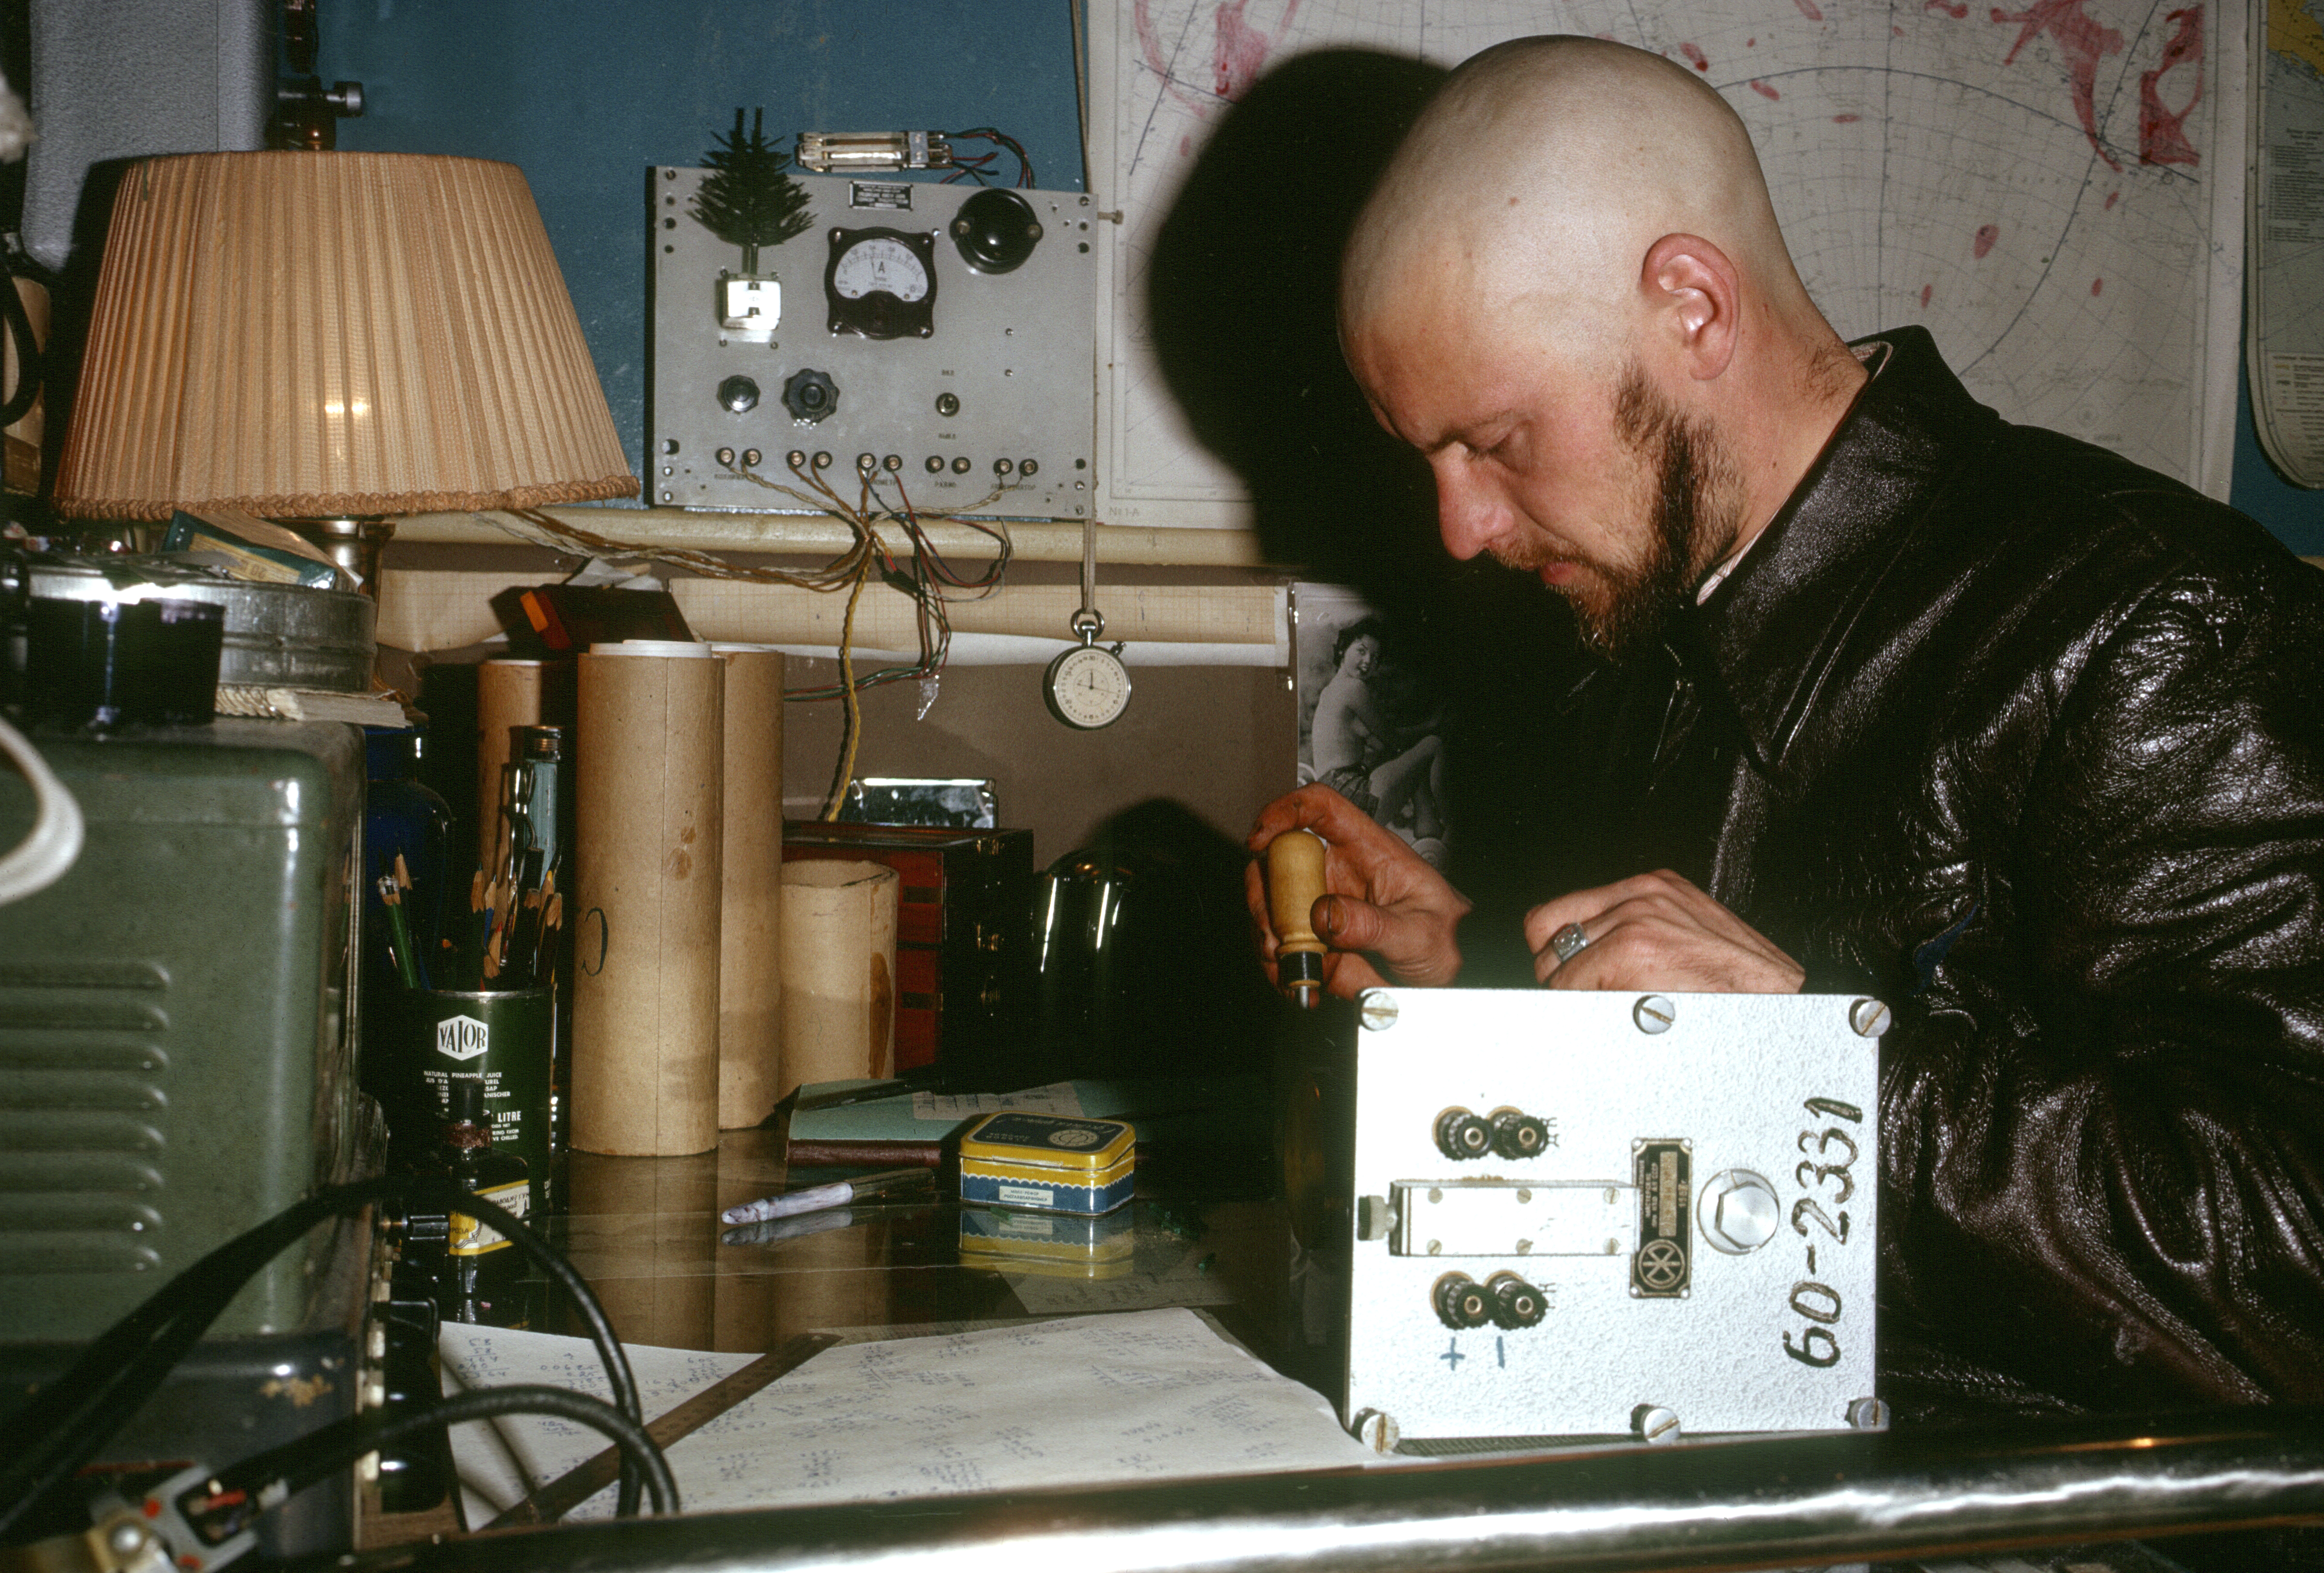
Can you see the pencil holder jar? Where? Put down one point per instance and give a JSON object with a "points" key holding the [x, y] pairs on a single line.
{"points": [[498, 1040]]}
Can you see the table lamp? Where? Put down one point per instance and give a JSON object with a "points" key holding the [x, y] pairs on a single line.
{"points": [[327, 339]]}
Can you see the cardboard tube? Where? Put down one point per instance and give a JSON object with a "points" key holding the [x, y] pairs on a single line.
{"points": [[511, 694], [750, 961], [645, 907], [839, 972]]}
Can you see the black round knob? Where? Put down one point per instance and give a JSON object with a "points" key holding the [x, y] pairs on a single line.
{"points": [[1461, 1135], [810, 395], [1461, 1302], [1519, 1135], [995, 231], [737, 394], [1516, 1303]]}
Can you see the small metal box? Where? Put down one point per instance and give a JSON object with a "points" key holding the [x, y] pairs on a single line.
{"points": [[1048, 1163], [1594, 1214]]}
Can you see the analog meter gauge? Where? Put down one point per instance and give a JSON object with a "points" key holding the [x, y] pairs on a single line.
{"points": [[1088, 686], [881, 283]]}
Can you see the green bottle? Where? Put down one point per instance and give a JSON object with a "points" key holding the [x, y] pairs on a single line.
{"points": [[484, 1271]]}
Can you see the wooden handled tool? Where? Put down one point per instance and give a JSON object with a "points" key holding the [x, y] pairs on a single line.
{"points": [[1294, 881]]}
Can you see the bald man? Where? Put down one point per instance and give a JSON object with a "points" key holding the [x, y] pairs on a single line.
{"points": [[1897, 699]]}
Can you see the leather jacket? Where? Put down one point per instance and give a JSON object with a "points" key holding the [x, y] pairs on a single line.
{"points": [[2028, 742]]}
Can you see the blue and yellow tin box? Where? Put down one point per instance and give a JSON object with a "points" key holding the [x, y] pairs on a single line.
{"points": [[1048, 1163]]}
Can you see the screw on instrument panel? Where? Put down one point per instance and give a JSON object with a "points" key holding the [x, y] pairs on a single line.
{"points": [[1654, 1014], [1868, 1414], [1376, 1007], [1434, 1194], [1525, 1247], [1436, 1247], [1651, 1422], [1524, 1196], [1378, 1431], [125, 1539], [1869, 1017]]}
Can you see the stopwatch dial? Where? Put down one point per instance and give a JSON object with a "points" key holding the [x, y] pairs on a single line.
{"points": [[1088, 687]]}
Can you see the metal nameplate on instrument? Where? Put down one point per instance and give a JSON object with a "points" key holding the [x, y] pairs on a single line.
{"points": [[1570, 1210], [895, 194], [1658, 1268]]}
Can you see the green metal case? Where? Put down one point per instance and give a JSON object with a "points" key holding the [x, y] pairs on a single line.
{"points": [[176, 1032]]}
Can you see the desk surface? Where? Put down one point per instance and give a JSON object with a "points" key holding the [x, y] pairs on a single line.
{"points": [[647, 1235]]}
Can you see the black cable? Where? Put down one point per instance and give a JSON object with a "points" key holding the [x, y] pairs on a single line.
{"points": [[29, 367], [73, 1416], [240, 1494]]}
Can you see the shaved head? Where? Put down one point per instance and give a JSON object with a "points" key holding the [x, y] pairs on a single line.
{"points": [[1569, 293], [1542, 173]]}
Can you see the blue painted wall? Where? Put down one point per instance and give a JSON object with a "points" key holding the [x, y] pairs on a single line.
{"points": [[585, 95]]}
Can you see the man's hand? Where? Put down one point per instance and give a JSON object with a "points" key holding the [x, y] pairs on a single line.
{"points": [[1658, 932], [1379, 898]]}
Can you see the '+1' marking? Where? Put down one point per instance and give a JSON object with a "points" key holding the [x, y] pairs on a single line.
{"points": [[1452, 1357]]}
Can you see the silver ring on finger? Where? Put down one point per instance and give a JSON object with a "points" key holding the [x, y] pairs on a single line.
{"points": [[1569, 942]]}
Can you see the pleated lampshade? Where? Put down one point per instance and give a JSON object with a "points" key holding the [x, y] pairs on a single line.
{"points": [[306, 335]]}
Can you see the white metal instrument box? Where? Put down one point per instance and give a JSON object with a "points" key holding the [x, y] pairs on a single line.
{"points": [[1594, 1214]]}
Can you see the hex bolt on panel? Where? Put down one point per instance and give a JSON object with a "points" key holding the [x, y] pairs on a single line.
{"points": [[1738, 1210]]}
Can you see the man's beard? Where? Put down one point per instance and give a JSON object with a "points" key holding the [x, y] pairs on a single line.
{"points": [[1622, 608]]}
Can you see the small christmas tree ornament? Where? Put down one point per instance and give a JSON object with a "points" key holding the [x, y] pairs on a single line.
{"points": [[747, 200]]}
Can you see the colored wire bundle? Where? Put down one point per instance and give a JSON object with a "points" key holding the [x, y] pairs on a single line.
{"points": [[978, 167], [932, 579]]}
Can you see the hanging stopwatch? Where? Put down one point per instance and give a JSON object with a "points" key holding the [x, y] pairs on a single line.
{"points": [[1087, 685]]}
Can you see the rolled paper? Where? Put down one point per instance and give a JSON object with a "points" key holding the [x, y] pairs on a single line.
{"points": [[838, 948], [750, 961], [511, 694], [645, 902]]}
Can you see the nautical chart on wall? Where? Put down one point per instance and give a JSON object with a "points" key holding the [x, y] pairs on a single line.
{"points": [[2285, 322], [2054, 187]]}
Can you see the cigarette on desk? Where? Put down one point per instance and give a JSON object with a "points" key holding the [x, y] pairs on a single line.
{"points": [[817, 1198]]}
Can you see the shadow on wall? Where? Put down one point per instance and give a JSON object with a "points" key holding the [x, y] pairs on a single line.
{"points": [[1241, 298]]}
